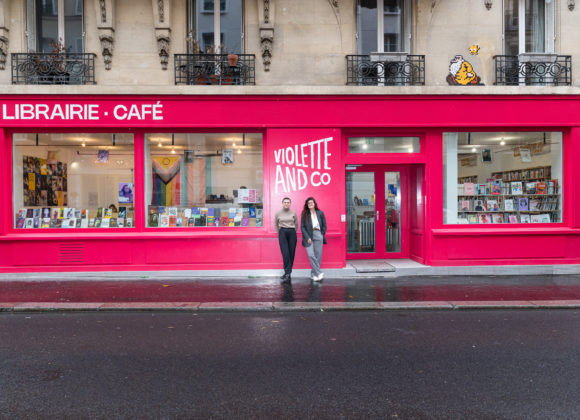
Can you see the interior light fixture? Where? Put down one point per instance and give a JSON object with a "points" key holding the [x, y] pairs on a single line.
{"points": [[159, 144], [473, 149], [173, 151], [410, 150], [84, 144], [234, 144], [364, 146], [502, 142], [239, 151]]}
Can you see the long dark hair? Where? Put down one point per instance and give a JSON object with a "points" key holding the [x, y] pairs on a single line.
{"points": [[306, 210]]}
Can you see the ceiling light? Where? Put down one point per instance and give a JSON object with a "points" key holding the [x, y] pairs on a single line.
{"points": [[173, 151], [410, 150], [234, 144], [159, 144], [502, 142], [239, 151], [83, 144], [364, 146], [473, 149]]}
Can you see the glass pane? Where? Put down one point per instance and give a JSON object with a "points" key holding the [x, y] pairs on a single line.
{"points": [[535, 26], [73, 25], [231, 27], [393, 210], [367, 26], [502, 178], [46, 25], [393, 25], [511, 22], [360, 209], [384, 145], [73, 180], [202, 27], [203, 179]]}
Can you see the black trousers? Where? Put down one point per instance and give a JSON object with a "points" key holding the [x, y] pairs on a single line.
{"points": [[287, 239]]}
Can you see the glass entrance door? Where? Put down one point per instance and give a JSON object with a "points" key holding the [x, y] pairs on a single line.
{"points": [[376, 212]]}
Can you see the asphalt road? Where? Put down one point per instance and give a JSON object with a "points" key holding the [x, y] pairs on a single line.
{"points": [[405, 365]]}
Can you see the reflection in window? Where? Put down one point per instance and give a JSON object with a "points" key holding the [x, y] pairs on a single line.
{"points": [[502, 178], [204, 180], [201, 25], [73, 180], [384, 145]]}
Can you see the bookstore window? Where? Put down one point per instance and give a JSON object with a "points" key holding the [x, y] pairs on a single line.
{"points": [[203, 179], [73, 180], [502, 178]]}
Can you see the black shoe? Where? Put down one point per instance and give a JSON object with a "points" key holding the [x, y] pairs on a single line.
{"points": [[286, 278], [283, 276]]}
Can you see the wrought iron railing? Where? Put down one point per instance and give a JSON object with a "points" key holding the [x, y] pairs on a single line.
{"points": [[362, 71], [533, 70], [53, 69], [215, 69]]}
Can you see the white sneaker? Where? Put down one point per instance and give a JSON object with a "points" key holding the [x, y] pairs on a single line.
{"points": [[318, 278]]}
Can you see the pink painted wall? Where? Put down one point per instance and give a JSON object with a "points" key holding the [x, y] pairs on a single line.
{"points": [[290, 121]]}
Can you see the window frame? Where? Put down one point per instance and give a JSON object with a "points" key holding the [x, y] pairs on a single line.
{"points": [[195, 6], [563, 188], [549, 25], [380, 35]]}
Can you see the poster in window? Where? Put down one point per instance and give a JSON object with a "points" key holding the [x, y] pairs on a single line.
{"points": [[125, 192], [526, 155], [227, 156], [486, 155]]}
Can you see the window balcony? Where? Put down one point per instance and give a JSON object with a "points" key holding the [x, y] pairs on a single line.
{"points": [[53, 69], [385, 69], [215, 69], [533, 70]]}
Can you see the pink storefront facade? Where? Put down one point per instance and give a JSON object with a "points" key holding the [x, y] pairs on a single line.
{"points": [[307, 150]]}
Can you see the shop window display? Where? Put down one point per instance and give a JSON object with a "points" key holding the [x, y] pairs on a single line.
{"points": [[502, 178], [72, 180], [203, 180]]}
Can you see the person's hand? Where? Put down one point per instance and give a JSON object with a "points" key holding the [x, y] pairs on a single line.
{"points": [[309, 241]]}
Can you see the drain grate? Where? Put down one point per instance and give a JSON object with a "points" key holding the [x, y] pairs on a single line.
{"points": [[71, 254]]}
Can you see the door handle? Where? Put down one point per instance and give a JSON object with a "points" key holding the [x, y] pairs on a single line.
{"points": [[377, 215]]}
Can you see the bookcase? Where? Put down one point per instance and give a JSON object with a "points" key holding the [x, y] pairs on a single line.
{"points": [[521, 196]]}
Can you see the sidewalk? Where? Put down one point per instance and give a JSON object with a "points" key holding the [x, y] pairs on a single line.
{"points": [[530, 287]]}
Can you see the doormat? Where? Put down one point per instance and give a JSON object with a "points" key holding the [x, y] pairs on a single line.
{"points": [[371, 266]]}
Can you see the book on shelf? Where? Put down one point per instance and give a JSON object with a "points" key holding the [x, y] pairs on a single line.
{"points": [[65, 223], [190, 222], [78, 214], [472, 218], [36, 222], [483, 189], [541, 188], [245, 221], [172, 220], [512, 218], [462, 220], [530, 187], [172, 211], [517, 188], [45, 222], [230, 221], [496, 186], [508, 204], [20, 222], [120, 222], [469, 188], [108, 214], [524, 218], [479, 205], [224, 221], [534, 204], [497, 218], [55, 223], [210, 220], [98, 222], [29, 223], [484, 218], [492, 205], [113, 222], [92, 222], [105, 222], [179, 222], [253, 212], [540, 218], [164, 220], [465, 205], [187, 213], [523, 204], [552, 186]]}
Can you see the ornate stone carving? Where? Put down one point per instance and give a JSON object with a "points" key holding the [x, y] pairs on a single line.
{"points": [[3, 50], [103, 7], [267, 41], [161, 10], [266, 22], [106, 28], [163, 44], [107, 48]]}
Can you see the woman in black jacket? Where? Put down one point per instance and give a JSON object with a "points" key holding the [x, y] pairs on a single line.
{"points": [[313, 227]]}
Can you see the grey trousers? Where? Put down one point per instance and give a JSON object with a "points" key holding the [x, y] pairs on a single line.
{"points": [[314, 252]]}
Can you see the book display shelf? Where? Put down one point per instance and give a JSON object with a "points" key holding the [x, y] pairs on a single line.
{"points": [[69, 217], [519, 196]]}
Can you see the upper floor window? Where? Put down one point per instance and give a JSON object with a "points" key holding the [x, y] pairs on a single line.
{"points": [[528, 26], [383, 26], [53, 25], [225, 30]]}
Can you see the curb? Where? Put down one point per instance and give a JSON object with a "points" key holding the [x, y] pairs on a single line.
{"points": [[280, 306]]}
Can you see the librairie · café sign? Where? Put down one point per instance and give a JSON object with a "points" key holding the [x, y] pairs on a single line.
{"points": [[77, 112]]}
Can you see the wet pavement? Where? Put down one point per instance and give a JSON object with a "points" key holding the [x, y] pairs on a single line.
{"points": [[481, 289]]}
